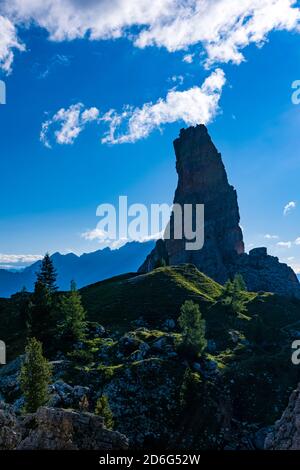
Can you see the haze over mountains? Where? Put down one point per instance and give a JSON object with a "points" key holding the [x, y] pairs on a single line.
{"points": [[85, 269]]}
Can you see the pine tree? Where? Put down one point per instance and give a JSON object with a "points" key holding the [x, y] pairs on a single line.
{"points": [[193, 329], [239, 283], [189, 390], [73, 324], [22, 302], [103, 409], [47, 274], [41, 315], [233, 295], [35, 376], [228, 289]]}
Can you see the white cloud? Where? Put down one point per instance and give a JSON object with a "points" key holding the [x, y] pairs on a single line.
{"points": [[95, 234], [288, 207], [70, 122], [268, 236], [188, 58], [11, 259], [102, 237], [223, 28], [177, 79], [297, 241], [285, 244], [193, 106], [8, 42]]}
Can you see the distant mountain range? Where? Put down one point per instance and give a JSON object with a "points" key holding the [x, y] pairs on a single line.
{"points": [[85, 269]]}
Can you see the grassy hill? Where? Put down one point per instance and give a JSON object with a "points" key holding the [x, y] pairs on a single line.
{"points": [[154, 296], [157, 296], [250, 353]]}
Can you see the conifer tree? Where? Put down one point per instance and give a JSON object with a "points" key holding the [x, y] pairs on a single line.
{"points": [[239, 283], [22, 301], [73, 324], [47, 274], [233, 295], [42, 314], [35, 376], [193, 328], [103, 409], [189, 390]]}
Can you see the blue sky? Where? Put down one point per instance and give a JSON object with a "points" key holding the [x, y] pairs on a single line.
{"points": [[49, 193]]}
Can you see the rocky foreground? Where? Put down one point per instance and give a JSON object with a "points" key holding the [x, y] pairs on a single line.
{"points": [[56, 429], [285, 435]]}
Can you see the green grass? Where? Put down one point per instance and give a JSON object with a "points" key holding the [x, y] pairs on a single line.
{"points": [[154, 296]]}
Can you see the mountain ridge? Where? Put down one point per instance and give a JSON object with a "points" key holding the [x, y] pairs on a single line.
{"points": [[85, 269]]}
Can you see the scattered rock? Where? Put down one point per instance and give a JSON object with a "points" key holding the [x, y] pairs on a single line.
{"points": [[285, 434], [57, 429]]}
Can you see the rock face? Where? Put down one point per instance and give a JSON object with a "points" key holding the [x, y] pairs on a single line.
{"points": [[202, 179], [285, 434], [57, 429]]}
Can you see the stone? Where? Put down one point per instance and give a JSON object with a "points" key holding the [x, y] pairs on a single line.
{"points": [[197, 367], [285, 434], [202, 179], [169, 324], [9, 433], [57, 429]]}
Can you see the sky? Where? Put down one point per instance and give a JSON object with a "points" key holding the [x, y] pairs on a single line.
{"points": [[97, 90]]}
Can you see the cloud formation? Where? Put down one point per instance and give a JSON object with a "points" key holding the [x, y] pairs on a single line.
{"points": [[268, 236], [12, 259], [197, 105], [193, 106], [221, 28], [8, 43], [69, 123], [289, 207], [285, 244]]}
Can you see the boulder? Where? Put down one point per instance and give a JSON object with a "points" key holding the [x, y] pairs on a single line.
{"points": [[285, 434], [57, 429]]}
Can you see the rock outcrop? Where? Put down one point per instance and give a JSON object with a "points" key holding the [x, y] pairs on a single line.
{"points": [[57, 429], [202, 179], [285, 434]]}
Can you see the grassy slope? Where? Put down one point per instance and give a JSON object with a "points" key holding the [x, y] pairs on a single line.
{"points": [[158, 295], [153, 296], [253, 350], [257, 365]]}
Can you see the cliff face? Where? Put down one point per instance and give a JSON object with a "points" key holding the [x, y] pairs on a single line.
{"points": [[57, 429], [285, 434], [202, 179]]}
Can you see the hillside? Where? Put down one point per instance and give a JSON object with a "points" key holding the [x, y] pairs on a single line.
{"points": [[154, 296], [245, 375]]}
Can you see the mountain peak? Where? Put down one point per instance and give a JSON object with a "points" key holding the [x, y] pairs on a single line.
{"points": [[202, 179]]}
